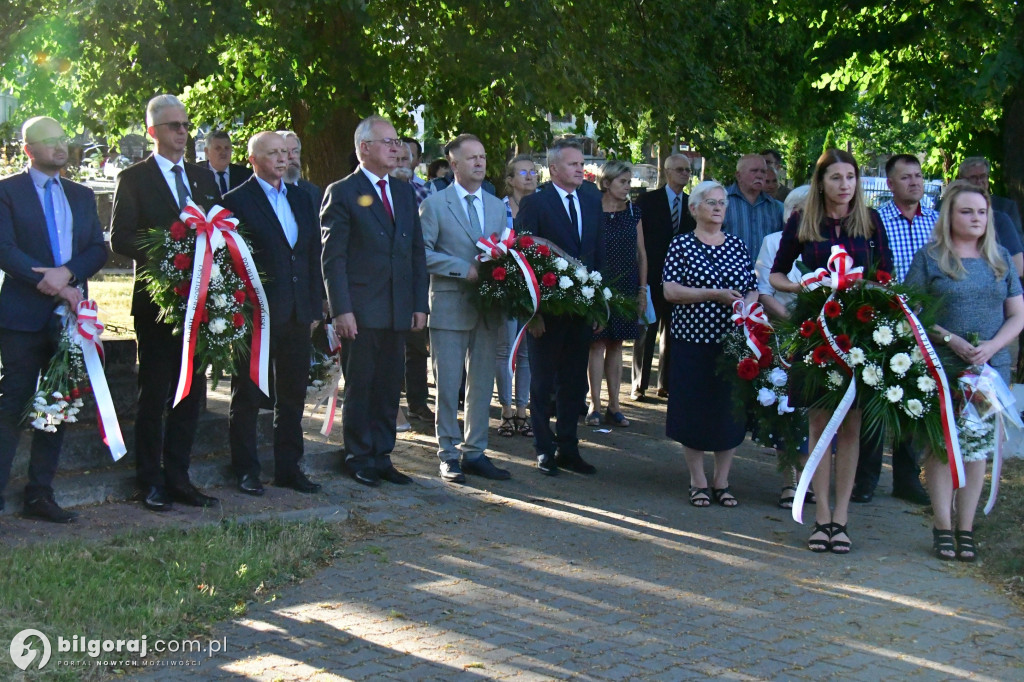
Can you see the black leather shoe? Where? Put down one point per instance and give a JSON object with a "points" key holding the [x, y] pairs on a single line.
{"points": [[546, 465], [298, 482], [575, 463], [484, 467], [190, 495], [250, 485], [862, 495], [46, 509], [156, 499], [452, 472], [393, 475], [367, 477], [420, 413], [913, 492]]}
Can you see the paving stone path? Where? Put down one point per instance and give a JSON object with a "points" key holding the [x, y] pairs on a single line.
{"points": [[617, 577]]}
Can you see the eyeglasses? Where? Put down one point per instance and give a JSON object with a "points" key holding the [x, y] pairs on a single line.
{"points": [[716, 202], [62, 140], [681, 170], [180, 126], [524, 173], [388, 141]]}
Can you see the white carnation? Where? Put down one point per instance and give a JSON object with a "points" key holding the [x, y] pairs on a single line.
{"points": [[561, 264], [38, 423], [595, 277], [564, 282], [778, 377], [871, 375], [766, 396], [581, 274], [925, 384], [220, 300], [856, 357], [784, 407], [894, 394], [215, 272], [900, 363], [78, 403], [57, 395], [914, 407], [50, 428], [607, 293], [39, 401], [916, 355], [835, 378], [903, 328], [883, 335], [71, 419], [588, 292], [217, 325]]}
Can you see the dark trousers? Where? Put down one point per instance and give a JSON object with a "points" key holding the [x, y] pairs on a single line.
{"points": [[290, 349], [416, 356], [905, 471], [373, 387], [562, 352], [163, 434], [23, 355], [643, 349]]}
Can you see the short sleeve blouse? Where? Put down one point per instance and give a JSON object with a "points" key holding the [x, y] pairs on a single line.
{"points": [[692, 263]]}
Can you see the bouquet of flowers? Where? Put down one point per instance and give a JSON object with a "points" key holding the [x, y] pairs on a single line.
{"points": [[526, 275], [201, 274]]}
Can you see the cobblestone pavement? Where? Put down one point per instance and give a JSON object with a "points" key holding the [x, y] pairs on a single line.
{"points": [[616, 577]]}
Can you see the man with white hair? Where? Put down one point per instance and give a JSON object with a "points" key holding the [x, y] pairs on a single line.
{"points": [[293, 175], [151, 194], [752, 214]]}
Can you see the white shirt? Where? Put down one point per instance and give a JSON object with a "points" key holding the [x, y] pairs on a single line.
{"points": [[61, 212], [165, 167], [373, 181], [565, 204], [216, 174], [478, 204]]}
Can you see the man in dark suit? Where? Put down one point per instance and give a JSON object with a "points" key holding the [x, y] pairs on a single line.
{"points": [[560, 345], [284, 235], [218, 159], [51, 242], [150, 194], [375, 272], [975, 169], [665, 214]]}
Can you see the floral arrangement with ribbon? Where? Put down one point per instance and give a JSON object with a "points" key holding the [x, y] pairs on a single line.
{"points": [[75, 370], [324, 374], [858, 336], [201, 274]]}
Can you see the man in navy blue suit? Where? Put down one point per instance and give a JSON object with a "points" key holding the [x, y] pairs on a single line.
{"points": [[51, 242], [559, 346], [284, 234]]}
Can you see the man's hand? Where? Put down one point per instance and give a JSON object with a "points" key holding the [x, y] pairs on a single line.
{"points": [[473, 274], [54, 280], [536, 327], [72, 296], [419, 321], [345, 326]]}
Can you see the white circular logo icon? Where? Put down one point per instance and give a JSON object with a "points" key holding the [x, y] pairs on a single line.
{"points": [[23, 654]]}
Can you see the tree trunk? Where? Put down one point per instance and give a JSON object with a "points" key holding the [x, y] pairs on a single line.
{"points": [[664, 149], [326, 149]]}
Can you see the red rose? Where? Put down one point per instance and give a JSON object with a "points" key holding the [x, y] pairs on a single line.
{"points": [[75, 394], [239, 297], [766, 358], [762, 334], [525, 242], [865, 313], [549, 279], [183, 288], [883, 277], [833, 309], [499, 274], [543, 250], [822, 355], [182, 261], [748, 369], [239, 320], [178, 231], [807, 328], [843, 341]]}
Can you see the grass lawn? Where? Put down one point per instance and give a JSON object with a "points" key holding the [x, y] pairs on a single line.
{"points": [[167, 584], [1002, 533], [113, 293]]}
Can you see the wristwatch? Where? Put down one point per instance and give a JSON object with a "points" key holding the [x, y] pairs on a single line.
{"points": [[946, 338]]}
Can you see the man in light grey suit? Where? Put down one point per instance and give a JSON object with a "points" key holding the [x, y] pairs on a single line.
{"points": [[461, 337]]}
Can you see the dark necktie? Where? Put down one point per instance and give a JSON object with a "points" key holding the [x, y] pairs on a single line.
{"points": [[179, 185], [383, 184], [572, 215], [51, 221], [675, 214], [223, 175]]}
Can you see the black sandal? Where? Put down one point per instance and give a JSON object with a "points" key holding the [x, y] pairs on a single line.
{"points": [[839, 546], [942, 541], [965, 549], [820, 546], [508, 427], [699, 497], [720, 497], [786, 500], [523, 426]]}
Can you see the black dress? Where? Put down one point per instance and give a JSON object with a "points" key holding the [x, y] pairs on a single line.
{"points": [[701, 411], [621, 270]]}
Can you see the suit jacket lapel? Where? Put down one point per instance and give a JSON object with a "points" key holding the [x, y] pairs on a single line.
{"points": [[377, 204], [574, 232], [260, 197], [455, 205]]}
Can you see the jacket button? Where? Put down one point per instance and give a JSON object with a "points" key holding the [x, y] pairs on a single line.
{"points": [[295, 279], [293, 257]]}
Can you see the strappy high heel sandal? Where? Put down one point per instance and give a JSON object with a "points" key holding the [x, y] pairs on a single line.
{"points": [[839, 546], [819, 545]]}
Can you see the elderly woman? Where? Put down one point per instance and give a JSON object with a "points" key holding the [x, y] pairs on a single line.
{"points": [[835, 215], [625, 271], [520, 181], [706, 271], [981, 295]]}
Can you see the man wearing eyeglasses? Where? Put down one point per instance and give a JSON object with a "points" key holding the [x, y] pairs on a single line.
{"points": [[975, 170], [375, 271], [150, 194], [665, 215], [752, 214], [52, 243]]}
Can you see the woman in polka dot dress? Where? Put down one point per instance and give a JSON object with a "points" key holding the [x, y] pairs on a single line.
{"points": [[705, 272]]}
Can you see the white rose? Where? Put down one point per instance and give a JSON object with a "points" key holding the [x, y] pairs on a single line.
{"points": [[894, 394], [784, 407], [220, 300], [900, 363], [766, 396], [217, 325], [596, 277], [883, 335], [564, 282], [778, 377], [581, 274], [856, 357], [925, 384], [914, 408], [588, 292], [607, 293], [871, 375], [561, 264]]}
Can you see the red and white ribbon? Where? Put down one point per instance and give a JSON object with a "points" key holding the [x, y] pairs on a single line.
{"points": [[215, 229], [838, 275], [751, 317], [87, 335], [494, 248], [334, 345]]}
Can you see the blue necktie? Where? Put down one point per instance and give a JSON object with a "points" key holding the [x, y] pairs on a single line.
{"points": [[51, 222]]}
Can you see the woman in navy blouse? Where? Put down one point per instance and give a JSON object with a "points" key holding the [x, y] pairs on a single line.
{"points": [[835, 215]]}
